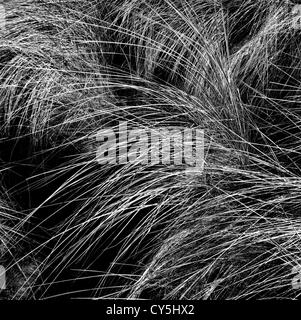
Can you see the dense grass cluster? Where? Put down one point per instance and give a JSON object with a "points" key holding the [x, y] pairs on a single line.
{"points": [[71, 227]]}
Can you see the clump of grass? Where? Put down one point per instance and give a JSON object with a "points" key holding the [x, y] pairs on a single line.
{"points": [[70, 69]]}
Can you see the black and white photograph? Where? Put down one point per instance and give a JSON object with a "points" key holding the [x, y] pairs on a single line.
{"points": [[150, 150]]}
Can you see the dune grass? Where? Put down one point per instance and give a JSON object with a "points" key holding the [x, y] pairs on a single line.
{"points": [[71, 227]]}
